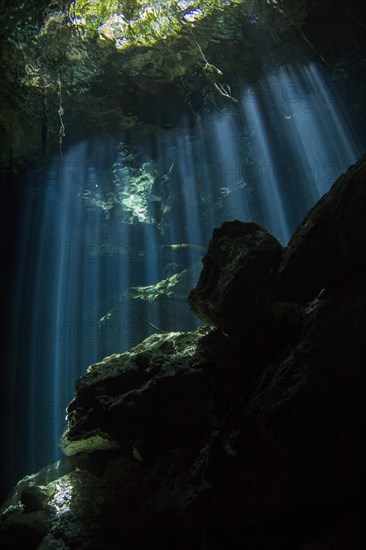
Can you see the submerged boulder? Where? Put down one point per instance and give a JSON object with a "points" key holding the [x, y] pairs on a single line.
{"points": [[234, 290], [150, 393], [182, 443]]}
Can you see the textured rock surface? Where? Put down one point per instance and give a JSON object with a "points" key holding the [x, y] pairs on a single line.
{"points": [[330, 244], [234, 291], [159, 385], [205, 450]]}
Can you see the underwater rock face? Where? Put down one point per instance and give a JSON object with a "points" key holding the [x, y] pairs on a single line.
{"points": [[205, 450], [131, 397], [234, 291], [329, 245]]}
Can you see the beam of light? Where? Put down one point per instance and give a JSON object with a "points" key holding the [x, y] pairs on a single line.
{"points": [[189, 173], [300, 139], [55, 315], [321, 140], [270, 195], [227, 142], [203, 180], [190, 192], [65, 296], [346, 147]]}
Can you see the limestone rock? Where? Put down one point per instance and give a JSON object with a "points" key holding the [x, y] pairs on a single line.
{"points": [[329, 245], [134, 395], [234, 292]]}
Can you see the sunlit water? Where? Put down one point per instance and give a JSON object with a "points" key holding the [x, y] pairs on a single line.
{"points": [[100, 219]]}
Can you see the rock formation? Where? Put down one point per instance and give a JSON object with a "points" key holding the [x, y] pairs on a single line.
{"points": [[248, 434], [105, 86]]}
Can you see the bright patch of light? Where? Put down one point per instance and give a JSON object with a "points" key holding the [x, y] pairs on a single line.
{"points": [[193, 15], [118, 19], [62, 496], [121, 43], [146, 13], [79, 21], [136, 204], [150, 23]]}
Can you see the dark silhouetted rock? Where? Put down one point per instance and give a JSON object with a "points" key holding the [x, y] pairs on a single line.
{"points": [[32, 498], [330, 244], [234, 290]]}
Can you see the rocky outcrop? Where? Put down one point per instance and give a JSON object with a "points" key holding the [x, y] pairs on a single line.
{"points": [[237, 292], [234, 289], [124, 399], [188, 441], [329, 245]]}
